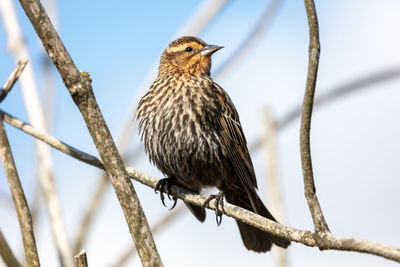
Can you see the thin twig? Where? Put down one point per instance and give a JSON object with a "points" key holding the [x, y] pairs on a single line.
{"points": [[81, 259], [6, 253], [161, 224], [301, 236], [320, 224], [20, 203], [273, 186], [80, 88], [48, 139], [250, 40], [12, 79], [36, 116]]}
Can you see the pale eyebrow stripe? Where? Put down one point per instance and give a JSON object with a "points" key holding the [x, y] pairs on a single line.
{"points": [[181, 47]]}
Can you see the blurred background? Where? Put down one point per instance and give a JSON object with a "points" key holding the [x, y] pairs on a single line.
{"points": [[354, 138]]}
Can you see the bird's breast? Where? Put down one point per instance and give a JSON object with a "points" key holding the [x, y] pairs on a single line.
{"points": [[178, 128]]}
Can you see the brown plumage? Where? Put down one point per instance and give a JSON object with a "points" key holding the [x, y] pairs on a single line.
{"points": [[192, 133]]}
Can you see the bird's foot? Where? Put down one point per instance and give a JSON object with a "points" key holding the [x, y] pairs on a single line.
{"points": [[164, 186], [219, 203]]}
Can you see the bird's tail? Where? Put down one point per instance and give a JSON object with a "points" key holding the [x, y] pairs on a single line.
{"points": [[253, 238], [198, 212]]}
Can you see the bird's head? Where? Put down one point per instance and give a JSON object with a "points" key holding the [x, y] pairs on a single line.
{"points": [[187, 54]]}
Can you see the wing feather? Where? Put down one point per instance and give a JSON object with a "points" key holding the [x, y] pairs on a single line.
{"points": [[235, 144]]}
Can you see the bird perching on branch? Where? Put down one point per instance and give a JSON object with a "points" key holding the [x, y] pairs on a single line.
{"points": [[192, 133]]}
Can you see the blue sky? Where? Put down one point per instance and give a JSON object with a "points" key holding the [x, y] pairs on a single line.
{"points": [[355, 142]]}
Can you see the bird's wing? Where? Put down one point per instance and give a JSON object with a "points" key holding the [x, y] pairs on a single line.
{"points": [[235, 143]]}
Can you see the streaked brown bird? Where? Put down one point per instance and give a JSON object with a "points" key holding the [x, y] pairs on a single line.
{"points": [[192, 133]]}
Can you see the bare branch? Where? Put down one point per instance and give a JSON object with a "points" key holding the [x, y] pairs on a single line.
{"points": [[12, 79], [251, 39], [81, 259], [6, 253], [79, 86], [20, 203], [307, 238], [321, 226], [36, 116], [63, 147]]}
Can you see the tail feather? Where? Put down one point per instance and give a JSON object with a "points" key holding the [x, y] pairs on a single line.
{"points": [[253, 238], [198, 212]]}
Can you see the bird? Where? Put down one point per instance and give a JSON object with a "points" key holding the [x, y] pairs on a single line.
{"points": [[192, 133]]}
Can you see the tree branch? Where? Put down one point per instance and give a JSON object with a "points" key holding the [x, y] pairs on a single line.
{"points": [[20, 203], [301, 236], [320, 224], [81, 259], [12, 79], [6, 253], [48, 139], [79, 86]]}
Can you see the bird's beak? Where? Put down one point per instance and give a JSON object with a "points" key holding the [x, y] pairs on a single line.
{"points": [[208, 50]]}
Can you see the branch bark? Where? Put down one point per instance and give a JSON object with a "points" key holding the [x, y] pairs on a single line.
{"points": [[81, 259], [301, 236], [12, 79], [20, 203], [321, 227], [79, 86], [6, 253]]}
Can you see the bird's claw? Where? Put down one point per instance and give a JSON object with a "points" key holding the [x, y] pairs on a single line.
{"points": [[164, 186], [219, 203]]}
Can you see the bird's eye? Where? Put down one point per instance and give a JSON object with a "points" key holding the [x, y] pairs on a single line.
{"points": [[189, 49]]}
